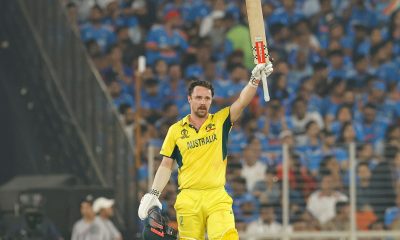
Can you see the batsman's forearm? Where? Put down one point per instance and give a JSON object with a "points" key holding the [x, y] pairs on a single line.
{"points": [[161, 179], [247, 94], [245, 97]]}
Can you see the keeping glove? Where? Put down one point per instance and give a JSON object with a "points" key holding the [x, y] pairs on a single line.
{"points": [[148, 201]]}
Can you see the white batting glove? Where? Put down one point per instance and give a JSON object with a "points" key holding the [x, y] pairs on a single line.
{"points": [[257, 71], [268, 69], [148, 201]]}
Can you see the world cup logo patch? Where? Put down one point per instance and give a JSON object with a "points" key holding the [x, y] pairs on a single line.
{"points": [[184, 134]]}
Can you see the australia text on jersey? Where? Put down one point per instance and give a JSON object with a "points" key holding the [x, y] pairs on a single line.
{"points": [[201, 141]]}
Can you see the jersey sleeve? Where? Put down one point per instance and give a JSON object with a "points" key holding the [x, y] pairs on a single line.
{"points": [[169, 144], [223, 117]]}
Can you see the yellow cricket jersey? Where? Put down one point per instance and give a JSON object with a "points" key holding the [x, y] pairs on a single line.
{"points": [[201, 156]]}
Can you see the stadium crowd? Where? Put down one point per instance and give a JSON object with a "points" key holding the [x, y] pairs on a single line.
{"points": [[336, 81]]}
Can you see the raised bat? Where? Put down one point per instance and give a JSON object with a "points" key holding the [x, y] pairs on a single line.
{"points": [[258, 39]]}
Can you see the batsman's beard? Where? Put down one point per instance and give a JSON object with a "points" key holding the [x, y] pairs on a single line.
{"points": [[201, 112]]}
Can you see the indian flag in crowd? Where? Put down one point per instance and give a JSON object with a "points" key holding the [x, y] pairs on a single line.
{"points": [[391, 7]]}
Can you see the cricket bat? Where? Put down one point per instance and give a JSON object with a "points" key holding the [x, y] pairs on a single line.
{"points": [[258, 39]]}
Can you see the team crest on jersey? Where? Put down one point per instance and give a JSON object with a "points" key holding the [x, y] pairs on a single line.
{"points": [[184, 134], [210, 127]]}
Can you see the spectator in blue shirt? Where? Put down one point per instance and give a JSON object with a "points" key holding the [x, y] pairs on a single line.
{"points": [[387, 70], [239, 191], [166, 41], [332, 102], [161, 70], [191, 10], [253, 136], [381, 11], [210, 74], [280, 37], [274, 121], [151, 99], [336, 33], [324, 19], [362, 13], [353, 101], [344, 115], [366, 153], [307, 91], [287, 15], [202, 57], [94, 29], [311, 145], [184, 8], [381, 63], [360, 43], [174, 89], [237, 139], [237, 75], [118, 67], [360, 74], [385, 107], [304, 38], [130, 50], [279, 87], [300, 68], [329, 147], [116, 18], [119, 97], [248, 208], [319, 79], [374, 129], [337, 69], [347, 135]]}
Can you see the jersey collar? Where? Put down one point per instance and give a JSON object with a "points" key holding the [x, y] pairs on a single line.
{"points": [[185, 120]]}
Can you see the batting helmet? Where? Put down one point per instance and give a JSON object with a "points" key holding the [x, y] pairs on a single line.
{"points": [[156, 226]]}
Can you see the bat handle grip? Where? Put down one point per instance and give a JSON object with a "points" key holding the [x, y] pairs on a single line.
{"points": [[265, 87]]}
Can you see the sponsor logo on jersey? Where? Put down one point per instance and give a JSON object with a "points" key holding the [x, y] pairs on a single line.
{"points": [[210, 127]]}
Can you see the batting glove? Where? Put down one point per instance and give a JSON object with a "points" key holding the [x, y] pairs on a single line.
{"points": [[257, 71], [268, 69], [148, 201]]}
